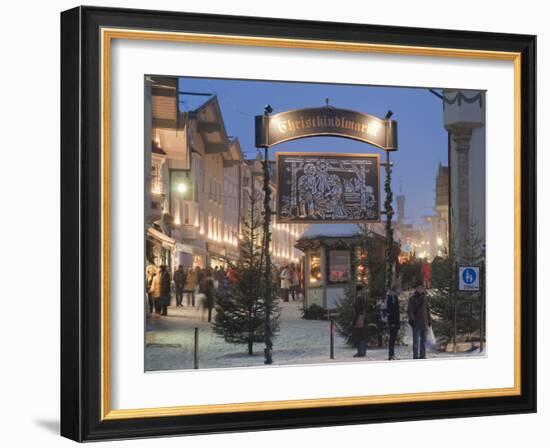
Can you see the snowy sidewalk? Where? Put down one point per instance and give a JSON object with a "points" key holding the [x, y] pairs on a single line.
{"points": [[169, 343]]}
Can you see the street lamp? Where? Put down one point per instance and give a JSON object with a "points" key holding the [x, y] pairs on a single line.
{"points": [[181, 184], [182, 188]]}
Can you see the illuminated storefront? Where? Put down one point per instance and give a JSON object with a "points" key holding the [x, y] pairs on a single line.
{"points": [[332, 255]]}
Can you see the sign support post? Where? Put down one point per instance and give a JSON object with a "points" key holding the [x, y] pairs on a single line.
{"points": [[482, 306], [268, 331], [470, 281], [389, 215]]}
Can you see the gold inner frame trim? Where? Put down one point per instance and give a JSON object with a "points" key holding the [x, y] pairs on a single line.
{"points": [[107, 35]]}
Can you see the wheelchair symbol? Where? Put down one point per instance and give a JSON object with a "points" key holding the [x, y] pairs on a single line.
{"points": [[469, 276]]}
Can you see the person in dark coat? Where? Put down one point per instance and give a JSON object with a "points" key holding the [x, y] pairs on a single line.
{"points": [[179, 284], [419, 319], [164, 290], [208, 288], [359, 331], [219, 277], [392, 314]]}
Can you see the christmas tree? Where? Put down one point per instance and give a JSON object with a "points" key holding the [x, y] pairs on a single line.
{"points": [[456, 316], [240, 308]]}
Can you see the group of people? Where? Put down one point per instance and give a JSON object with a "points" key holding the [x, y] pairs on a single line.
{"points": [[158, 289], [290, 280], [418, 314], [185, 282]]}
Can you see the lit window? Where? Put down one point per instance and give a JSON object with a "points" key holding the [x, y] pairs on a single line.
{"points": [[315, 268], [339, 266]]}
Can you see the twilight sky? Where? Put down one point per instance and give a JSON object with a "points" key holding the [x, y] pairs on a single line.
{"points": [[419, 113]]}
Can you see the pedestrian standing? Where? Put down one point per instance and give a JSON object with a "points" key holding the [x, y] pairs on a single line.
{"points": [[419, 319], [179, 284], [393, 316], [164, 290], [150, 274], [208, 290], [293, 281], [215, 276], [220, 277], [160, 290], [190, 285], [359, 331], [426, 272], [232, 276], [285, 282]]}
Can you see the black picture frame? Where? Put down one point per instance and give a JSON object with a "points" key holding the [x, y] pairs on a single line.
{"points": [[81, 214]]}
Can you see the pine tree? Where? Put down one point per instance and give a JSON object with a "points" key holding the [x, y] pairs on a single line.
{"points": [[440, 301], [240, 308], [344, 313], [442, 304]]}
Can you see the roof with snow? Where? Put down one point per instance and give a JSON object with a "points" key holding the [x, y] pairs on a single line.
{"points": [[338, 231]]}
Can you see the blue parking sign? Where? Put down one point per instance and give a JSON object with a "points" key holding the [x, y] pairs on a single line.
{"points": [[468, 278]]}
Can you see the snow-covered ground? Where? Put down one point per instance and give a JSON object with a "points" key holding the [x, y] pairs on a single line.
{"points": [[169, 343]]}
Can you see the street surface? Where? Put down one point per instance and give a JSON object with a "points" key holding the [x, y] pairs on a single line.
{"points": [[169, 343]]}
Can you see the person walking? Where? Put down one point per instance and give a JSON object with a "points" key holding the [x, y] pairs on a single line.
{"points": [[285, 282], [359, 331], [190, 285], [419, 319], [393, 316], [179, 284], [293, 281]]}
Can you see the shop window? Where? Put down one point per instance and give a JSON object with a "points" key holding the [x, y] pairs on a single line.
{"points": [[339, 266], [187, 214], [315, 268]]}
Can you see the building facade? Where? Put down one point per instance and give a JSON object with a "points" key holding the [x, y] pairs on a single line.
{"points": [[199, 184]]}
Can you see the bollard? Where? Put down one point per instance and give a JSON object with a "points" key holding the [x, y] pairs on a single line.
{"points": [[196, 350], [332, 338]]}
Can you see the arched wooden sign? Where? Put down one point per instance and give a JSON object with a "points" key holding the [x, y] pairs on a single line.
{"points": [[290, 125]]}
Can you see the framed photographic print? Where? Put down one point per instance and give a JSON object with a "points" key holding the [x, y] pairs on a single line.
{"points": [[273, 223]]}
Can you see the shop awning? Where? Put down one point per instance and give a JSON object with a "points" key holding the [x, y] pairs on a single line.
{"points": [[164, 239]]}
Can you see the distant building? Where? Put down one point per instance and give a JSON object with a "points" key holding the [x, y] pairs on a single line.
{"points": [[442, 210], [400, 199]]}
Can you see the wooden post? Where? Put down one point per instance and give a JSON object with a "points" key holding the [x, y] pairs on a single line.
{"points": [[482, 304], [331, 319], [196, 350]]}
